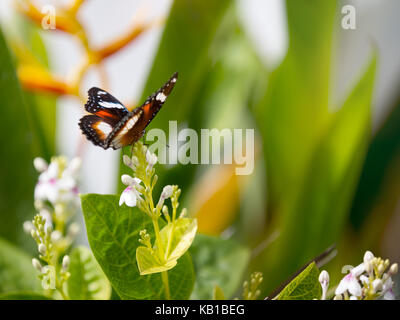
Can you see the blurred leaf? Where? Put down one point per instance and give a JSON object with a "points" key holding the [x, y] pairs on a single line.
{"points": [[217, 262], [218, 294], [215, 199], [16, 270], [294, 112], [23, 295], [17, 174], [87, 280], [113, 234], [313, 164], [184, 46], [304, 287], [42, 107], [383, 151], [330, 183]]}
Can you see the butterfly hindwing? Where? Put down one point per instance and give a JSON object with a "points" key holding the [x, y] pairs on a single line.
{"points": [[95, 129]]}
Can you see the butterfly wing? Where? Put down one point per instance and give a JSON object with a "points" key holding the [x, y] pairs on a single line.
{"points": [[104, 105], [95, 129], [154, 103], [133, 127], [107, 113], [112, 125]]}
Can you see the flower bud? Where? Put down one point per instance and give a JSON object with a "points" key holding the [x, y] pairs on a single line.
{"points": [[73, 230], [127, 161], [40, 164], [394, 268], [377, 285], [167, 192], [36, 264], [65, 263], [127, 180], [28, 227], [368, 256], [56, 235], [75, 165], [42, 249], [324, 277]]}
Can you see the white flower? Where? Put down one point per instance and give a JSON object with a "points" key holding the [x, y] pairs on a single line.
{"points": [[350, 282], [56, 184], [387, 289], [129, 196]]}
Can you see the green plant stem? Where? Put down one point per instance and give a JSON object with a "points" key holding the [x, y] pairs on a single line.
{"points": [[164, 276], [158, 237]]}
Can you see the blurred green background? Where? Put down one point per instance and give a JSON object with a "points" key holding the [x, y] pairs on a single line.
{"points": [[326, 160]]}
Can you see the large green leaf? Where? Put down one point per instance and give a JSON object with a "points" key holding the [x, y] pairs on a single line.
{"points": [[87, 280], [113, 234], [304, 287], [219, 263], [16, 174], [16, 270]]}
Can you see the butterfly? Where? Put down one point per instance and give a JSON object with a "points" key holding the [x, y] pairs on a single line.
{"points": [[111, 124]]}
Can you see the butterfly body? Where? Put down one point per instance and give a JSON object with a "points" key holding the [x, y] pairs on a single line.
{"points": [[112, 125]]}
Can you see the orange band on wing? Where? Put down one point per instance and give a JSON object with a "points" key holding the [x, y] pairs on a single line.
{"points": [[105, 114]]}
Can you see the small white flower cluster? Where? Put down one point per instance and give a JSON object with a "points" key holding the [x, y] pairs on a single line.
{"points": [[56, 199], [142, 164], [57, 181], [49, 254], [370, 280]]}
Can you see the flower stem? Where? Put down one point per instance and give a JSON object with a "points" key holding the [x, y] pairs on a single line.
{"points": [[164, 276]]}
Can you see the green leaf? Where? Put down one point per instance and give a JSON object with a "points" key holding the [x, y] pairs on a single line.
{"points": [[16, 174], [304, 287], [175, 237], [87, 280], [149, 263], [218, 262], [16, 270], [23, 295], [113, 233]]}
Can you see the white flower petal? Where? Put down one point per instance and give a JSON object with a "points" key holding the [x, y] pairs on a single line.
{"points": [[389, 295], [354, 287], [357, 271], [128, 197], [342, 287]]}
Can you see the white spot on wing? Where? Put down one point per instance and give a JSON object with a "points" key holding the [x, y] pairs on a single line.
{"points": [[161, 97], [104, 127], [110, 105]]}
